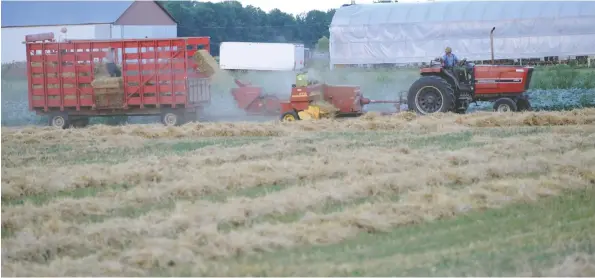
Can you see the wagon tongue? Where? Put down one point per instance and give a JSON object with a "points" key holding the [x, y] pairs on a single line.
{"points": [[397, 104]]}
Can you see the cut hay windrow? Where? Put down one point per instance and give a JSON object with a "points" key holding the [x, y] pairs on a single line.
{"points": [[406, 121], [415, 207], [138, 200], [574, 265], [206, 242], [111, 230], [543, 118], [16, 182]]}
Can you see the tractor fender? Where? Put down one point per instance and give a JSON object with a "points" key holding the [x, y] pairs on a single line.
{"points": [[448, 76]]}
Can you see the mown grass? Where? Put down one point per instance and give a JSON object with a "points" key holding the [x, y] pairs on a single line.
{"points": [[238, 226], [74, 154], [498, 242], [87, 152]]}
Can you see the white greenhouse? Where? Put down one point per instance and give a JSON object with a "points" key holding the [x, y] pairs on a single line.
{"points": [[401, 33]]}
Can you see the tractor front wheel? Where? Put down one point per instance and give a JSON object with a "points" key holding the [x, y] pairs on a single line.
{"points": [[505, 105], [290, 116], [431, 94]]}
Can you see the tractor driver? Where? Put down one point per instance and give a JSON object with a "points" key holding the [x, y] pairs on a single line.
{"points": [[449, 59]]}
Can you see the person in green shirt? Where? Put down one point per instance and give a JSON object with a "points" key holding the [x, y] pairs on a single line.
{"points": [[301, 79]]}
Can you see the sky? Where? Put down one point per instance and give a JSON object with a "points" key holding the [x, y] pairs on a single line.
{"points": [[299, 6]]}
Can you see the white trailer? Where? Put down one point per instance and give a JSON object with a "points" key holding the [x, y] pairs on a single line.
{"points": [[261, 56]]}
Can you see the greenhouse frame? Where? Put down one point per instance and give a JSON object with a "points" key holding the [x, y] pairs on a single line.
{"points": [[402, 33]]}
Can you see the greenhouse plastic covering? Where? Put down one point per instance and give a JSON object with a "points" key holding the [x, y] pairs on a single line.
{"points": [[419, 32]]}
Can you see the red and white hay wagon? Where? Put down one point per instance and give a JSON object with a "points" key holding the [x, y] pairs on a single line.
{"points": [[158, 76]]}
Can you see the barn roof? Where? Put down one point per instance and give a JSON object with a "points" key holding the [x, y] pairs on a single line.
{"points": [[44, 13], [415, 32]]}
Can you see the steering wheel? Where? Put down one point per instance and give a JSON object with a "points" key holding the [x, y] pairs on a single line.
{"points": [[436, 61], [462, 62]]}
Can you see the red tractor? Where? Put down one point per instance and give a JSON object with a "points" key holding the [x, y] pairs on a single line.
{"points": [[441, 89]]}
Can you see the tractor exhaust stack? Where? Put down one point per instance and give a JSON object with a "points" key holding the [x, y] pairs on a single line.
{"points": [[492, 43]]}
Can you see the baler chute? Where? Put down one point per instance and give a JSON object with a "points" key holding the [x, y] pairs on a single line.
{"points": [[249, 98]]}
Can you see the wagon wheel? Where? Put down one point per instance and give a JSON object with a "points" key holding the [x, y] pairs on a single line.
{"points": [[171, 119], [59, 121]]}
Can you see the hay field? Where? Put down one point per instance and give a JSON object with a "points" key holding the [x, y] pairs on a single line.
{"points": [[476, 194]]}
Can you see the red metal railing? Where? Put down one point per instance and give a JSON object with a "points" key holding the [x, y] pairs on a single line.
{"points": [[155, 72]]}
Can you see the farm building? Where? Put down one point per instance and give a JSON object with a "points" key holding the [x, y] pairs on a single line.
{"points": [[396, 33], [83, 20]]}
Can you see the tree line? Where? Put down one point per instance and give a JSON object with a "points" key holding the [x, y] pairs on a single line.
{"points": [[230, 21]]}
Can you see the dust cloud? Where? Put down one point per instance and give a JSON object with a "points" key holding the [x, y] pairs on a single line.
{"points": [[375, 84], [224, 107]]}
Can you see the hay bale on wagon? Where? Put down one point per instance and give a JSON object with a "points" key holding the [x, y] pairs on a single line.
{"points": [[108, 83], [39, 64], [109, 92]]}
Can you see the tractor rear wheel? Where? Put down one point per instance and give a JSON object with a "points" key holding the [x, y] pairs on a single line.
{"points": [[431, 94], [505, 105], [290, 116]]}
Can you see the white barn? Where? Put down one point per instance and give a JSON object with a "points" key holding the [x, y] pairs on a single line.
{"points": [[83, 20], [398, 33]]}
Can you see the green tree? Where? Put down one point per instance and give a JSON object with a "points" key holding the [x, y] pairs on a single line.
{"points": [[230, 21], [323, 44]]}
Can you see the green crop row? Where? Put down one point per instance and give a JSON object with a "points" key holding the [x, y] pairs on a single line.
{"points": [[563, 77], [545, 77]]}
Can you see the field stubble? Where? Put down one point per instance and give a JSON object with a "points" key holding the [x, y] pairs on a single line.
{"points": [[212, 199]]}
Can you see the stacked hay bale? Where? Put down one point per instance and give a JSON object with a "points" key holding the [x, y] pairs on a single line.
{"points": [[51, 75], [109, 92]]}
